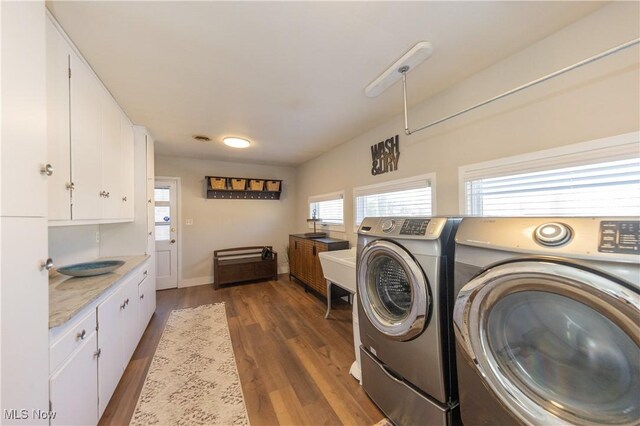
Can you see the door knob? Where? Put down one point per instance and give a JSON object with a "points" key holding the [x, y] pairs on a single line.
{"points": [[173, 241], [47, 264], [47, 169]]}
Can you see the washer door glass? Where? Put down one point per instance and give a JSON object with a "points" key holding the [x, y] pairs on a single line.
{"points": [[393, 290], [389, 288]]}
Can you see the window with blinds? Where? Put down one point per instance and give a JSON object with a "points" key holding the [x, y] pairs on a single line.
{"points": [[596, 181], [329, 208], [406, 197]]}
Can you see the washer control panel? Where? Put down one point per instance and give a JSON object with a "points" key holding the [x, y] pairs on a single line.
{"points": [[414, 227], [552, 234], [618, 236], [388, 225]]}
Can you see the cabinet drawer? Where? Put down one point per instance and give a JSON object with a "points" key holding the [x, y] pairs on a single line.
{"points": [[71, 339], [141, 272]]}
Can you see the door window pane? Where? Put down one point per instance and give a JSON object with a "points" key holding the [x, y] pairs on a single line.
{"points": [[162, 194], [562, 352], [163, 232], [162, 214]]}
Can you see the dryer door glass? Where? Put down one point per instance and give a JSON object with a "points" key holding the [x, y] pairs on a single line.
{"points": [[393, 290], [567, 353]]}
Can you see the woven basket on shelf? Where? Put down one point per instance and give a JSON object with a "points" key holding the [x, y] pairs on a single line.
{"points": [[273, 185], [238, 184], [256, 184], [218, 183]]}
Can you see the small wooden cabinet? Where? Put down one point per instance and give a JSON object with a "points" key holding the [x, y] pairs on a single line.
{"points": [[304, 262]]}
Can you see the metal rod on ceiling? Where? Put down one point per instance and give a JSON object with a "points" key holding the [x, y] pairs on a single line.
{"points": [[403, 70]]}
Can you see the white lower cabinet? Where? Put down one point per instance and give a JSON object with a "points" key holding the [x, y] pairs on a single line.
{"points": [[73, 388], [87, 365], [147, 297]]}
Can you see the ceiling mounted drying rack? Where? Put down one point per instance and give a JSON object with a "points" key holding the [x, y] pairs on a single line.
{"points": [[408, 60]]}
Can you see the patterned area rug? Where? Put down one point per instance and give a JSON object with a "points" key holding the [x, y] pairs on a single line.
{"points": [[193, 378]]}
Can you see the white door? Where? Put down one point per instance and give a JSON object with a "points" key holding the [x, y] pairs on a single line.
{"points": [[166, 231]]}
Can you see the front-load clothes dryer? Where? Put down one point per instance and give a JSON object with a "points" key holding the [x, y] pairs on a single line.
{"points": [[405, 294], [546, 321]]}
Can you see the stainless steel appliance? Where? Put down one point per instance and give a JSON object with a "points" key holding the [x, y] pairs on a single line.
{"points": [[405, 290], [546, 321]]}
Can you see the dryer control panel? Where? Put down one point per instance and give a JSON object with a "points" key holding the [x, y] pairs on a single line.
{"points": [[619, 236]]}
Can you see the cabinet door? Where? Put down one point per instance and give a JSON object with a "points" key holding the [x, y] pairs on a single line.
{"points": [[74, 387], [112, 179], [24, 310], [319, 282], [126, 195], [86, 133], [24, 113], [130, 319], [58, 134], [110, 366], [294, 256], [147, 296], [151, 246]]}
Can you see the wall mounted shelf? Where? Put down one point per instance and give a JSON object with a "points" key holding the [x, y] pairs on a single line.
{"points": [[222, 187]]}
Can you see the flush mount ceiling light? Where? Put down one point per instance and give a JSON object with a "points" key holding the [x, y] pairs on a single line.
{"points": [[418, 53], [236, 142], [202, 138]]}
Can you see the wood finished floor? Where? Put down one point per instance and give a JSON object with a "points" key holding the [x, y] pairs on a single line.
{"points": [[293, 364]]}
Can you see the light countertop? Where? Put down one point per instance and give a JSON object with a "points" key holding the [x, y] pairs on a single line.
{"points": [[68, 295]]}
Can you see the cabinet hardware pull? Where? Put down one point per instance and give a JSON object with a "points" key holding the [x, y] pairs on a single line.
{"points": [[124, 198], [107, 195], [47, 264], [124, 305], [145, 272], [149, 201], [296, 245], [150, 233], [142, 296], [81, 335], [314, 250], [70, 186], [47, 170], [126, 302], [97, 353]]}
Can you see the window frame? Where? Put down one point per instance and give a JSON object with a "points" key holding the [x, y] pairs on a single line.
{"points": [[583, 153], [327, 226], [392, 186]]}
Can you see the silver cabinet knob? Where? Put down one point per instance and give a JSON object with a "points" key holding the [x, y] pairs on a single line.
{"points": [[81, 335], [47, 264], [97, 353], [47, 169], [124, 198], [124, 305], [70, 186], [107, 194], [103, 193], [126, 302], [150, 233], [142, 296], [149, 201]]}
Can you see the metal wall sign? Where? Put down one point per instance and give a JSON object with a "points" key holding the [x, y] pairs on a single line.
{"points": [[385, 156]]}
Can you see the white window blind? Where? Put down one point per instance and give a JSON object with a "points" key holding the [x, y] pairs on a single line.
{"points": [[328, 208], [408, 197], [594, 182]]}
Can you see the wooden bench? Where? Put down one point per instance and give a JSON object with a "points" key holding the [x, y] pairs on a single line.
{"points": [[235, 265]]}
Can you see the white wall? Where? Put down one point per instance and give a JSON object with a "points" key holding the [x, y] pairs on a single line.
{"points": [[219, 224], [73, 244], [596, 101]]}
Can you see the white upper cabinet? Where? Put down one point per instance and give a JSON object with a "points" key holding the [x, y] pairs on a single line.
{"points": [[24, 116], [86, 134], [126, 196], [90, 142], [58, 131]]}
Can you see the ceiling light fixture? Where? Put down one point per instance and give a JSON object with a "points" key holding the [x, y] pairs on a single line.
{"points": [[418, 53], [236, 142]]}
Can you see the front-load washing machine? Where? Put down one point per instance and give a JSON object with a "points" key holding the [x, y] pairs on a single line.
{"points": [[405, 295], [546, 321]]}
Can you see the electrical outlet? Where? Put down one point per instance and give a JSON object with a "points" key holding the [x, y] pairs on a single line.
{"points": [[97, 236], [189, 222]]}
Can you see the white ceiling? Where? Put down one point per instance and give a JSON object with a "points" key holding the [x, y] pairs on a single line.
{"points": [[290, 76]]}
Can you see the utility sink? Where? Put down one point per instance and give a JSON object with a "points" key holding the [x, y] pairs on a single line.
{"points": [[339, 267]]}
